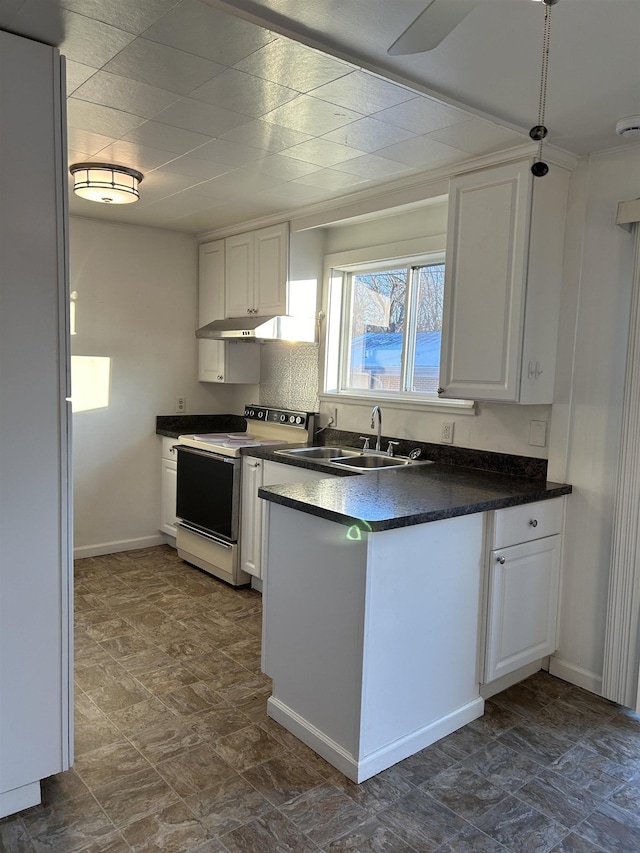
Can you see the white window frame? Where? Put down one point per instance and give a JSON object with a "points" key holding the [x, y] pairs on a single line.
{"points": [[333, 365]]}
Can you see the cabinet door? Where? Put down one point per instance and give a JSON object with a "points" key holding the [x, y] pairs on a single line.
{"points": [[168, 496], [239, 275], [271, 268], [522, 606], [211, 361], [210, 282], [486, 265], [251, 535]]}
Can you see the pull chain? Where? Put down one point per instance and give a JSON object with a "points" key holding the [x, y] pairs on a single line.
{"points": [[539, 131]]}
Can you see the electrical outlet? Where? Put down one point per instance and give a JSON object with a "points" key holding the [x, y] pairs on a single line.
{"points": [[181, 405], [538, 433], [335, 418], [446, 432]]}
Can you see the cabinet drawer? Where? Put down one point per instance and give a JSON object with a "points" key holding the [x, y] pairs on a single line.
{"points": [[527, 522]]}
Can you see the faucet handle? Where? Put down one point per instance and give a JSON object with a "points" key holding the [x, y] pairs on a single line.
{"points": [[390, 448], [366, 442]]}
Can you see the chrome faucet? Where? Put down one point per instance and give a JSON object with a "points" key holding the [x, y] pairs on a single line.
{"points": [[376, 411]]}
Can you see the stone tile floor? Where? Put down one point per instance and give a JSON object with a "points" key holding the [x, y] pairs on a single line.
{"points": [[174, 750]]}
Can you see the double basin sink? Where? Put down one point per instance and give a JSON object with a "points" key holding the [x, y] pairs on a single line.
{"points": [[349, 457]]}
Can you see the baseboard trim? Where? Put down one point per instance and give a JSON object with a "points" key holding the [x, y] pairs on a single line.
{"points": [[380, 759], [574, 674], [492, 687], [20, 798], [120, 545]]}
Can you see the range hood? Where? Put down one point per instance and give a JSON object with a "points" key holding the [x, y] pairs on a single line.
{"points": [[260, 329]]}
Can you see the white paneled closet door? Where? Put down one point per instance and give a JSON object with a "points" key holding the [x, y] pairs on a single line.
{"points": [[35, 518], [621, 670]]}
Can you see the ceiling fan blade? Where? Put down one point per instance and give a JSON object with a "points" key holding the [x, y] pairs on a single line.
{"points": [[431, 26]]}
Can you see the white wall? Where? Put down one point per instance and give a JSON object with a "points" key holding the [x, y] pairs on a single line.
{"points": [[136, 305], [589, 389]]}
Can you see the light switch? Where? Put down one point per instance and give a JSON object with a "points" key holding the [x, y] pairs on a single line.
{"points": [[538, 433]]}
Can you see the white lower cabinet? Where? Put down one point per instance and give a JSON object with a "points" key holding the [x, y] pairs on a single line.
{"points": [[523, 586], [168, 483], [257, 473]]}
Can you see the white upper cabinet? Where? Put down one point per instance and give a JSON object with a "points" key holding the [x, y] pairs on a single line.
{"points": [[505, 240], [257, 265], [220, 361]]}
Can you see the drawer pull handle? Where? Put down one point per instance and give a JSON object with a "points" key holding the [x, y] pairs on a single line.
{"points": [[502, 560], [534, 522]]}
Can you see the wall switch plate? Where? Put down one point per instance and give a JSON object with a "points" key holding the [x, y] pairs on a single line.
{"points": [[538, 433], [181, 405], [446, 432]]}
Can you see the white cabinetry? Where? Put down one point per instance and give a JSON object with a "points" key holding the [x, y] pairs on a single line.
{"points": [[220, 361], [169, 481], [36, 572], [524, 574], [257, 473], [257, 264], [505, 239]]}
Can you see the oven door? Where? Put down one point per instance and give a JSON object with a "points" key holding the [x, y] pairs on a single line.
{"points": [[208, 493]]}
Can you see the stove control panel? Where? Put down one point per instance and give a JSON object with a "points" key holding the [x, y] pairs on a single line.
{"points": [[284, 417]]}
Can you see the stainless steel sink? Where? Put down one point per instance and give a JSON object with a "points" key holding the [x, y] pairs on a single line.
{"points": [[367, 462], [320, 452]]}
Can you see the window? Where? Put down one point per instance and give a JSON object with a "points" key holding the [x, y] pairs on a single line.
{"points": [[385, 326]]}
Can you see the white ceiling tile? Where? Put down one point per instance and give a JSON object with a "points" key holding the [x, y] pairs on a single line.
{"points": [[163, 66], [190, 164], [165, 137], [98, 119], [204, 31], [358, 88], [268, 137], [77, 74], [91, 42], [163, 182], [294, 65], [293, 192], [135, 156], [422, 115], [183, 203], [130, 96], [311, 116], [477, 136], [285, 168], [241, 183], [368, 134], [321, 152], [232, 153], [373, 167], [123, 14], [86, 141], [244, 93], [421, 152], [200, 117], [330, 179]]}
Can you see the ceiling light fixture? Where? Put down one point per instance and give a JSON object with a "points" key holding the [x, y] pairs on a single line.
{"points": [[628, 127], [106, 183]]}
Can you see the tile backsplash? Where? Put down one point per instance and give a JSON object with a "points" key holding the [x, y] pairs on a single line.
{"points": [[289, 376]]}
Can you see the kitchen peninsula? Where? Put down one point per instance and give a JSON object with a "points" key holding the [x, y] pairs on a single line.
{"points": [[379, 603]]}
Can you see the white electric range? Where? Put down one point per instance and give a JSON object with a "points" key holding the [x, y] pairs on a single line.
{"points": [[209, 484]]}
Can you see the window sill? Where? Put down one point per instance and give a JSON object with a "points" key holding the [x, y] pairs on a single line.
{"points": [[458, 407]]}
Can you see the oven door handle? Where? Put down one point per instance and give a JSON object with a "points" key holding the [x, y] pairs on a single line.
{"points": [[230, 460], [204, 534]]}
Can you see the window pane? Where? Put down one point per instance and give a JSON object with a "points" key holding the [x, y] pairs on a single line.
{"points": [[429, 282], [376, 330]]}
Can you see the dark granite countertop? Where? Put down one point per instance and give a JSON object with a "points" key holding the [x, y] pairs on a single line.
{"points": [[401, 497], [171, 426]]}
